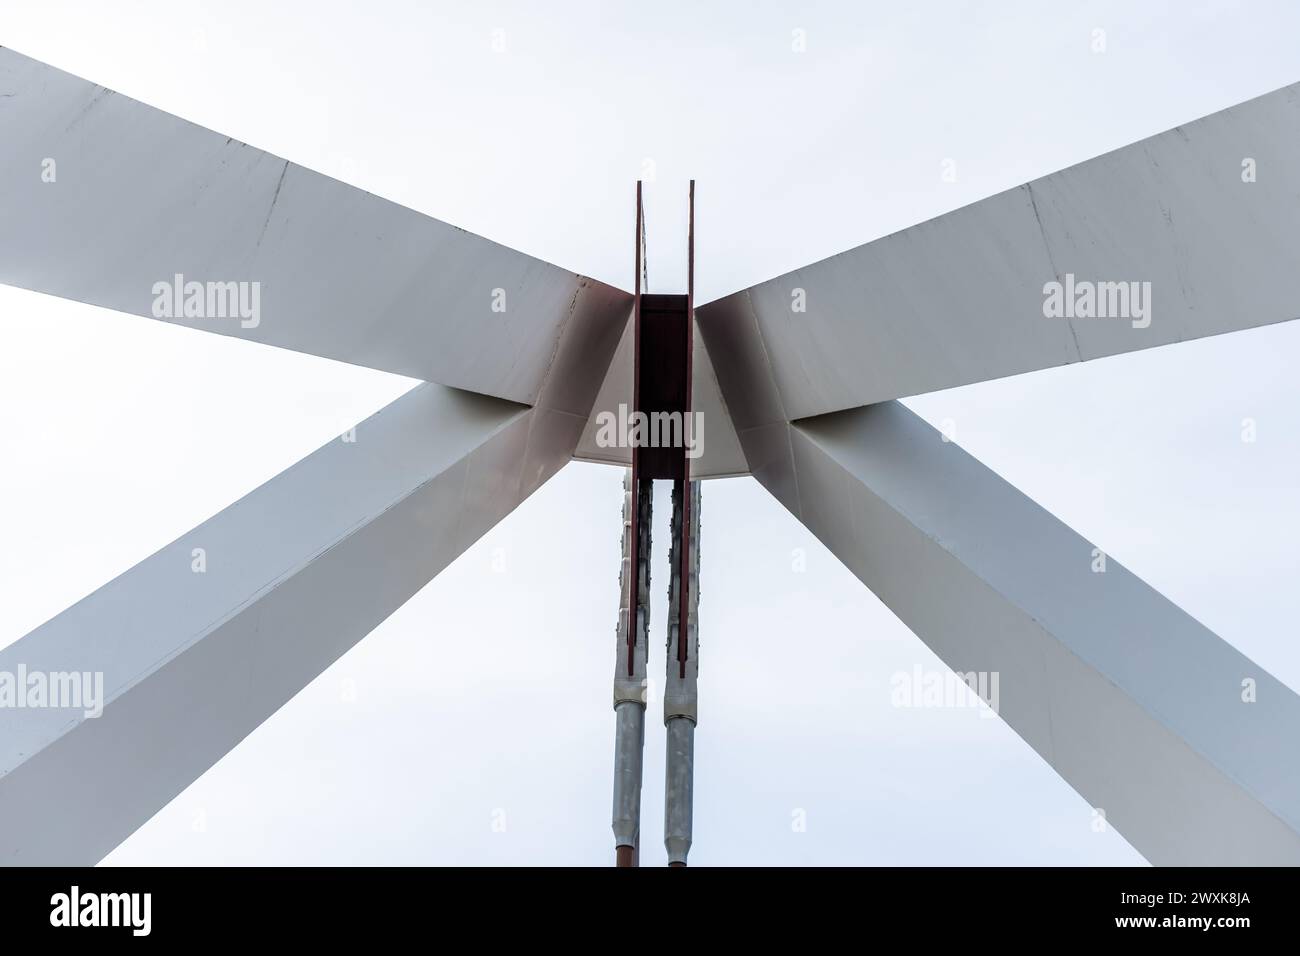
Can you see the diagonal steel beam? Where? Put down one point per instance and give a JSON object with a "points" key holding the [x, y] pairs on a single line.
{"points": [[204, 640], [1185, 744], [105, 198], [961, 298]]}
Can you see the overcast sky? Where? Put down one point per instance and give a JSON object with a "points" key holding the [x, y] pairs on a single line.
{"points": [[117, 434]]}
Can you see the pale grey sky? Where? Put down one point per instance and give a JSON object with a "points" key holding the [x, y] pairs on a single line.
{"points": [[120, 433]]}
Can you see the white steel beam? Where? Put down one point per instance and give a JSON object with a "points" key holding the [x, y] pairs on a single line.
{"points": [[293, 575], [1142, 709], [1206, 213], [136, 197]]}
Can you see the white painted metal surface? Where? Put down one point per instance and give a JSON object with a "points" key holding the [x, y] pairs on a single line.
{"points": [[1139, 707], [1136, 705], [142, 196], [296, 573], [960, 299]]}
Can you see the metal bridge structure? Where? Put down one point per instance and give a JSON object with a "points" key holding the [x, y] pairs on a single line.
{"points": [[796, 380]]}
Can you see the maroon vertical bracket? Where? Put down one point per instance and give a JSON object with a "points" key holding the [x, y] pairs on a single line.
{"points": [[635, 555], [664, 340], [685, 532], [660, 432]]}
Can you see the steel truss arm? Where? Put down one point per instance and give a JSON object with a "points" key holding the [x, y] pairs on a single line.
{"points": [[1206, 213], [292, 575], [136, 197], [1139, 707]]}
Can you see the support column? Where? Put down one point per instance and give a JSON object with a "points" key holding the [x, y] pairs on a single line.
{"points": [[630, 663], [681, 711]]}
